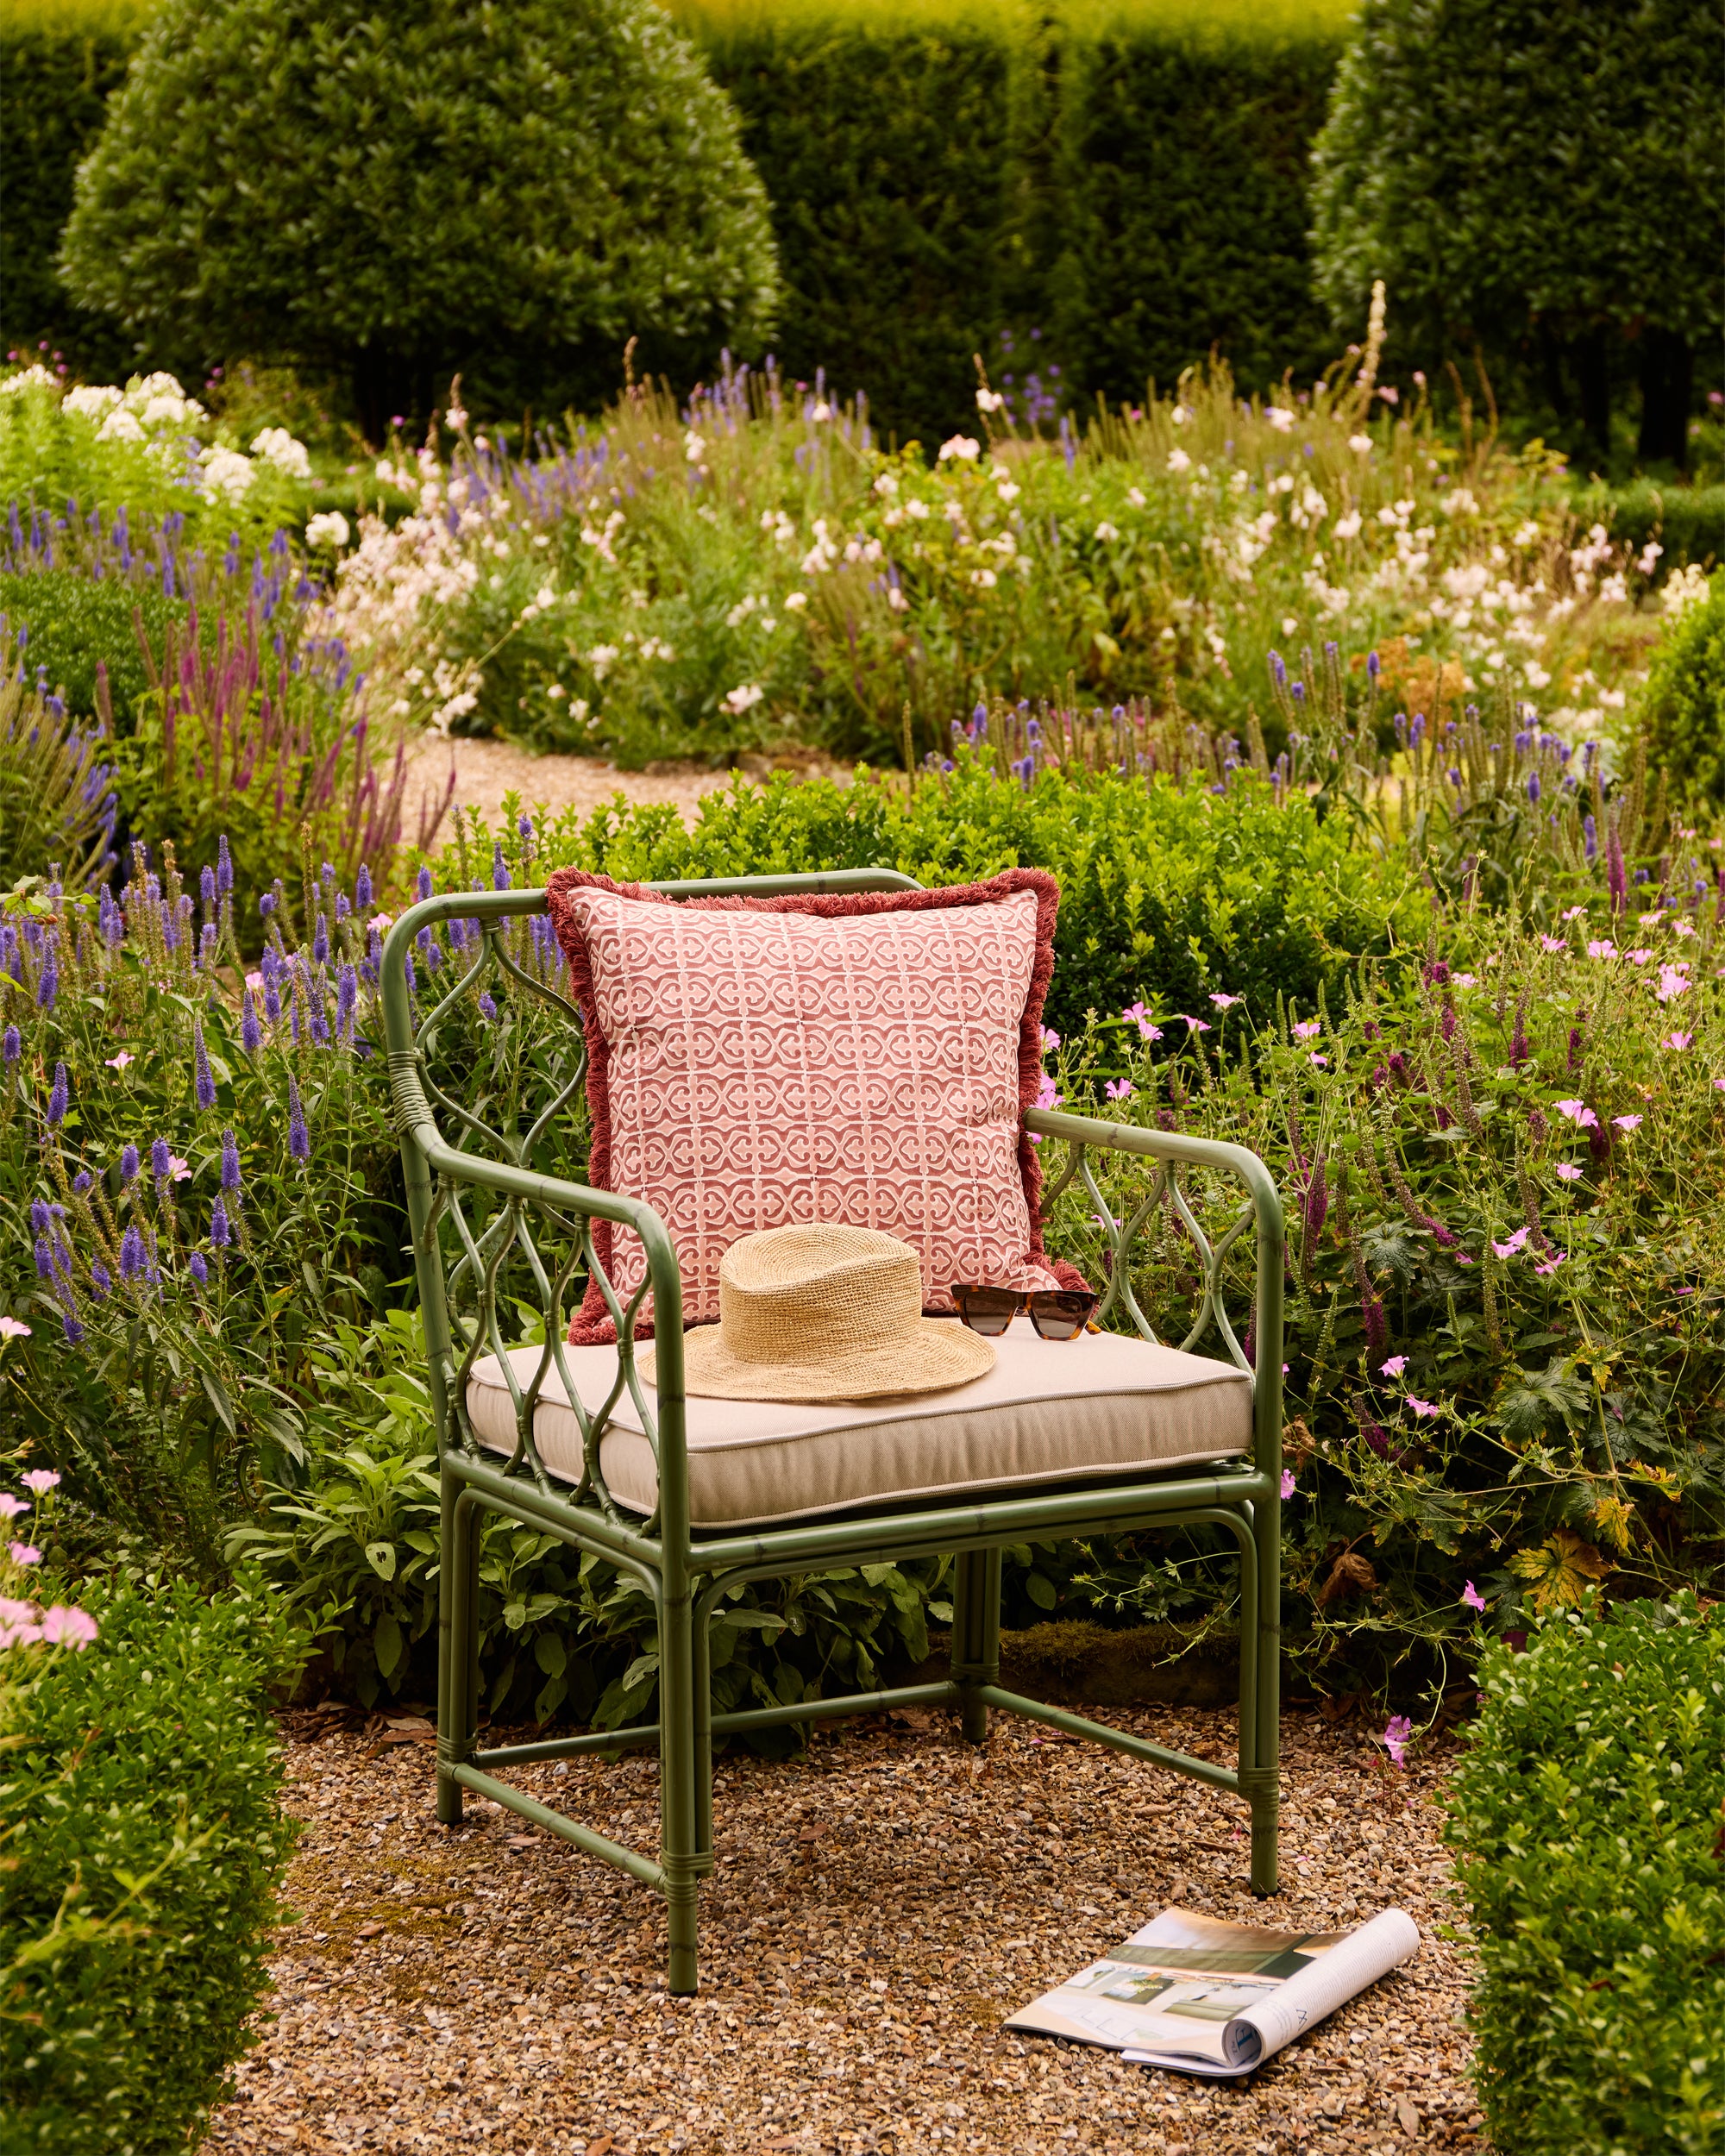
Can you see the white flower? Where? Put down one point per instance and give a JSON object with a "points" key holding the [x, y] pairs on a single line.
{"points": [[1105, 530], [1180, 415], [32, 378], [166, 411], [1136, 496], [601, 659], [985, 580], [1459, 502], [455, 419], [1006, 490], [820, 413], [988, 400], [693, 448], [120, 425], [1688, 587], [1279, 416], [276, 446], [886, 483], [795, 602], [1282, 484], [1288, 625], [1360, 444], [226, 471], [1536, 676], [1178, 461], [93, 402], [329, 528], [916, 508], [743, 698], [964, 447]]}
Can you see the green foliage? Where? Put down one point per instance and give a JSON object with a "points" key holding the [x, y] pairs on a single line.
{"points": [[75, 624], [1687, 521], [1502, 165], [57, 70], [141, 1799], [1586, 1818], [55, 811], [1683, 713], [562, 176]]}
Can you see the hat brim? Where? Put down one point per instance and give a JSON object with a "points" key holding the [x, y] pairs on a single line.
{"points": [[939, 1354]]}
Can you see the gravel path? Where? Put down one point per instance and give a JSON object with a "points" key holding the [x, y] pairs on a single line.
{"points": [[487, 770], [878, 1908]]}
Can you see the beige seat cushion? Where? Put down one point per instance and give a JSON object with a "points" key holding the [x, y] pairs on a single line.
{"points": [[1048, 1412]]}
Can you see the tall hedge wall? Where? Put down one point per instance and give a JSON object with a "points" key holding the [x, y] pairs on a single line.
{"points": [[1126, 177]]}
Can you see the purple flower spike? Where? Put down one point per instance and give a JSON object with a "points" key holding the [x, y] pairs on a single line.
{"points": [[298, 1138], [199, 1269], [499, 872], [73, 1330], [133, 1258], [251, 1033], [128, 1165], [161, 1160], [320, 941], [362, 889], [230, 1162], [47, 987], [422, 884], [11, 1046], [346, 1001], [44, 1259], [101, 1280], [204, 1079], [59, 1097], [224, 866], [206, 887], [221, 1228]]}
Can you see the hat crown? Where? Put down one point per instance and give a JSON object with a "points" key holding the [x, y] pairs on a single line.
{"points": [[815, 1291]]}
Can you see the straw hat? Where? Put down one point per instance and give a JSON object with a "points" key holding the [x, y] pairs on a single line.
{"points": [[817, 1312]]}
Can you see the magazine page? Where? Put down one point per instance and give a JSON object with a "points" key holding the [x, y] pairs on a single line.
{"points": [[1207, 1997]]}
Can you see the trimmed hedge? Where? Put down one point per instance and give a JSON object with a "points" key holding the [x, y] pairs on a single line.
{"points": [[1683, 712], [1688, 522], [1127, 177], [1587, 1819], [72, 624], [1167, 891], [146, 1757]]}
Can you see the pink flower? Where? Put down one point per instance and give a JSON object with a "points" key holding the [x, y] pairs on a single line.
{"points": [[1395, 1736], [1223, 1002], [1638, 957], [1140, 1018], [1568, 1172], [254, 982], [1601, 948], [1676, 1040], [1683, 928], [1394, 1367], [11, 1507], [25, 1553], [1194, 1026], [1627, 1122], [14, 1329], [1552, 943], [1471, 1597], [1424, 1407], [1579, 1113], [1322, 1061], [120, 1061], [1551, 1264], [1462, 1258], [1306, 1029], [1575, 913], [381, 922], [1050, 1041], [1465, 979], [1674, 981], [1516, 1242], [1120, 1089], [1719, 1085], [41, 1480], [1287, 1482], [1046, 1097], [68, 1627]]}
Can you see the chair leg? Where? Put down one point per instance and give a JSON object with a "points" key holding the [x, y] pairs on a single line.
{"points": [[679, 1851], [701, 1660], [1261, 1692], [977, 1636], [457, 1643]]}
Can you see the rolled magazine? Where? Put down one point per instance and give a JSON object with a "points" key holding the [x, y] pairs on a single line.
{"points": [[1203, 1997]]}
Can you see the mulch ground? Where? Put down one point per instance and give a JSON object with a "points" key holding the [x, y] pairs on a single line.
{"points": [[879, 1908]]}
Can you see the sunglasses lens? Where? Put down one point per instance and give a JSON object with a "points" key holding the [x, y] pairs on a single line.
{"points": [[1061, 1316], [985, 1310]]}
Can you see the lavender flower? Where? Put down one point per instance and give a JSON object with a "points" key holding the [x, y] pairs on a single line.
{"points": [[230, 1162], [487, 1008], [423, 882], [298, 1138], [73, 1330], [346, 1001], [161, 1160], [224, 867], [499, 872], [320, 941], [82, 1181], [362, 889], [128, 1165], [221, 1228], [11, 1045], [101, 1280], [59, 1097], [251, 1033], [48, 985], [206, 887], [203, 1081], [134, 1261], [199, 1268], [1534, 787], [44, 1259]]}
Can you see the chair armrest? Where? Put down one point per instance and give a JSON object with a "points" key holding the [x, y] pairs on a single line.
{"points": [[1173, 1149]]}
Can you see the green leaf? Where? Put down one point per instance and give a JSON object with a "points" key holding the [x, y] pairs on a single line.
{"points": [[550, 1654], [380, 1556], [219, 1400], [1040, 1590], [387, 1643]]}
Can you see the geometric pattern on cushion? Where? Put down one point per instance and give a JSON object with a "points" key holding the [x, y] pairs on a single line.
{"points": [[1048, 1412], [863, 1057]]}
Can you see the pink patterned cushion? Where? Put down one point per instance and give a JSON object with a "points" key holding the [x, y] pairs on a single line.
{"points": [[864, 1058]]}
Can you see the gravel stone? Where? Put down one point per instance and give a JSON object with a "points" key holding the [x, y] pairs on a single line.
{"points": [[879, 1907]]}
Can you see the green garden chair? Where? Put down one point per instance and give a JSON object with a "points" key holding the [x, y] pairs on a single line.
{"points": [[685, 1565]]}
